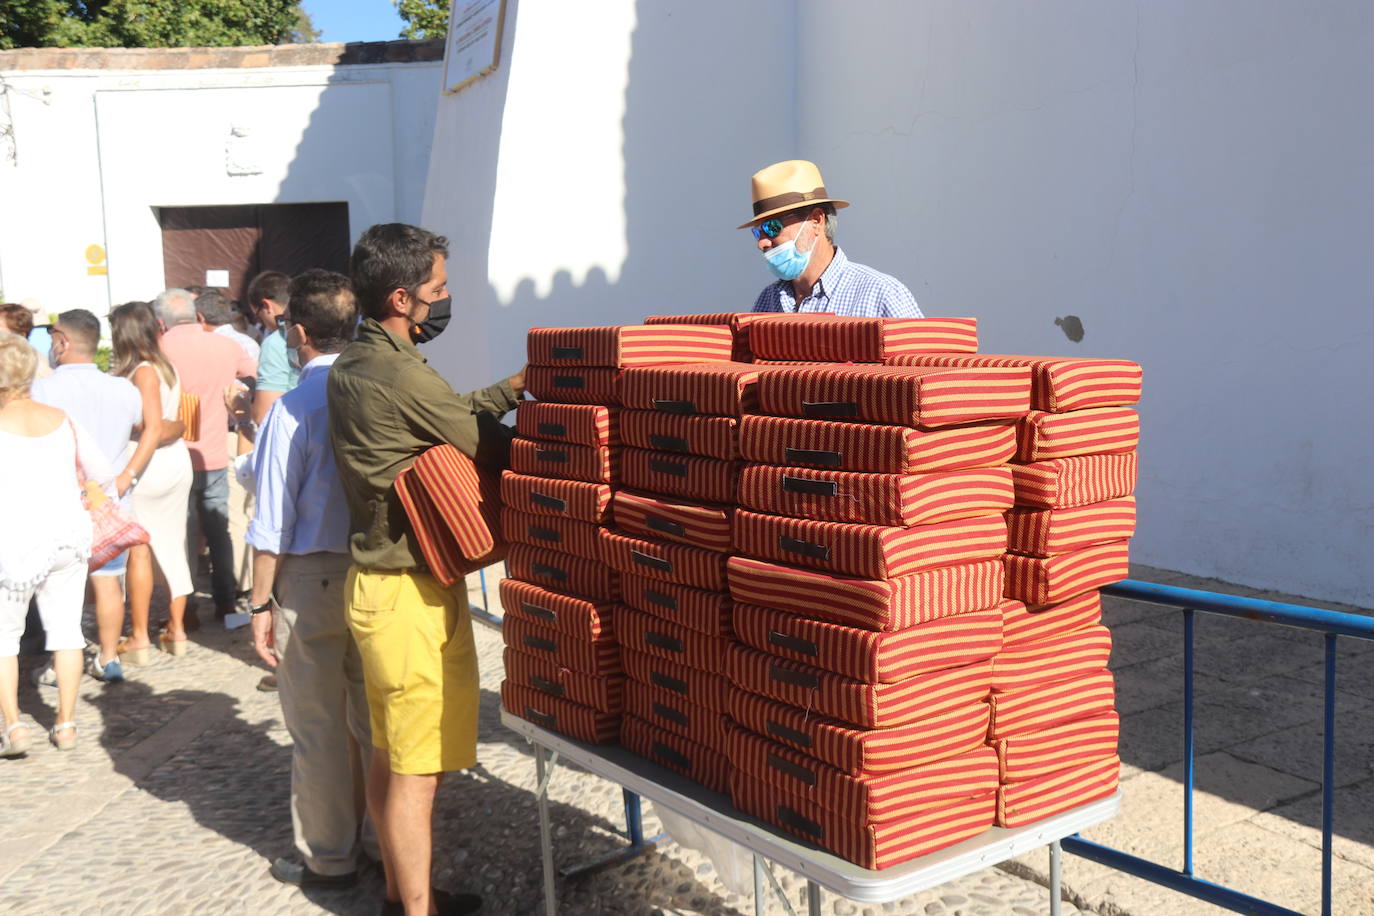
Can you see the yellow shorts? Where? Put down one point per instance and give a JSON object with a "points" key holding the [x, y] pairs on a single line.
{"points": [[420, 664]]}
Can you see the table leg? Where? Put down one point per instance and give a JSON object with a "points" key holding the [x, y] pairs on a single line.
{"points": [[813, 898], [760, 893], [545, 832], [1056, 888]]}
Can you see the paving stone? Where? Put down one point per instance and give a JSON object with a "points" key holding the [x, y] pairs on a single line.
{"points": [[1352, 822]]}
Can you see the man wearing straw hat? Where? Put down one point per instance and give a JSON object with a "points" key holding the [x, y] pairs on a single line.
{"points": [[794, 229]]}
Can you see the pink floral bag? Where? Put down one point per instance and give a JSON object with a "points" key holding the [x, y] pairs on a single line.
{"points": [[112, 532]]}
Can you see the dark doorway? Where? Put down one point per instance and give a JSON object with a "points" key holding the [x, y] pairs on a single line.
{"points": [[246, 240]]}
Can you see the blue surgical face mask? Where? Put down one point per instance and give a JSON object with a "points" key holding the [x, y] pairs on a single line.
{"points": [[785, 262]]}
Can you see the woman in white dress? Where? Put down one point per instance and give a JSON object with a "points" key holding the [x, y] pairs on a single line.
{"points": [[45, 541], [162, 490]]}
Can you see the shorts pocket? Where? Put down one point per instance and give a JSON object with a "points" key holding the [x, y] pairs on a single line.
{"points": [[374, 594]]}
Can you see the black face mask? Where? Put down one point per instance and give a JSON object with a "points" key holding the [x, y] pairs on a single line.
{"points": [[440, 311]]}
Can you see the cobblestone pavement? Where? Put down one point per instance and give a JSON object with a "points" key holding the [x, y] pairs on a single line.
{"points": [[176, 799]]}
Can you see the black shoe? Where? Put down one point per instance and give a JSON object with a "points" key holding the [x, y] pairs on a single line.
{"points": [[288, 871], [447, 904], [268, 683]]}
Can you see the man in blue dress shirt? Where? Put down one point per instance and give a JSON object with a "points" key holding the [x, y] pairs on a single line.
{"points": [[794, 229], [301, 559]]}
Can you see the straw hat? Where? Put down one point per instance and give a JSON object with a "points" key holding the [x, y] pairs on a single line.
{"points": [[786, 186]]}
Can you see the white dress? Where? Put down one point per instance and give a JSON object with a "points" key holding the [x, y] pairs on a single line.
{"points": [[162, 493], [46, 523]]}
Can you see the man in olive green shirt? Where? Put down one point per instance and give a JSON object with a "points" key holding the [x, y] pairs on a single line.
{"points": [[386, 407]]}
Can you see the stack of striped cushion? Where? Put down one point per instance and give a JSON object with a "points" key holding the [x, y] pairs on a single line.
{"points": [[680, 468], [869, 603], [1054, 726], [739, 324], [563, 666]]}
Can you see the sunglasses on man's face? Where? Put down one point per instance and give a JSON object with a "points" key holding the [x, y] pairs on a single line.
{"points": [[768, 229]]}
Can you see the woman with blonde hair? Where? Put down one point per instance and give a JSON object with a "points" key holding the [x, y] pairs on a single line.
{"points": [[45, 545], [160, 497]]}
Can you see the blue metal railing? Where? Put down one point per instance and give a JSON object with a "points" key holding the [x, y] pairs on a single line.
{"points": [[1331, 624]]}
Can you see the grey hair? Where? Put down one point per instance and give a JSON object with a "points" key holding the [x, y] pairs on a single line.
{"points": [[175, 306], [830, 223]]}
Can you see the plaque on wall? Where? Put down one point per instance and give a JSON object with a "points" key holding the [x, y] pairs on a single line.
{"points": [[474, 41]]}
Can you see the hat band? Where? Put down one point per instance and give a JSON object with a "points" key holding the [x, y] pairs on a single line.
{"points": [[791, 197]]}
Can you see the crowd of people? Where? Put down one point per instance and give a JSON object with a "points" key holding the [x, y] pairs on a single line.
{"points": [[264, 442]]}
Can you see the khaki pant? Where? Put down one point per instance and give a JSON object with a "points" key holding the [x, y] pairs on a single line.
{"points": [[240, 514], [324, 704]]}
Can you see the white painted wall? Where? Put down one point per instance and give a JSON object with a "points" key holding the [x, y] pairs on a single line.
{"points": [[1194, 181], [597, 176], [1191, 180], [97, 151]]}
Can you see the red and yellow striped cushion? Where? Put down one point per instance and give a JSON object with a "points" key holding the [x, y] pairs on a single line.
{"points": [[580, 424], [574, 499], [594, 464], [712, 389], [1023, 623], [1038, 706], [1079, 481], [862, 750], [704, 688], [669, 711], [573, 384], [628, 345], [1062, 658], [1049, 580], [652, 635], [861, 340], [694, 760], [588, 577], [871, 447], [713, 437], [904, 396], [606, 694], [867, 655], [454, 512], [664, 561], [1021, 803], [855, 702], [867, 799], [1058, 747], [598, 657], [872, 846], [738, 323], [567, 535], [1046, 532], [703, 611], [1058, 383], [868, 551], [564, 613], [696, 524], [580, 722], [875, 604], [875, 499], [707, 479], [1100, 430]]}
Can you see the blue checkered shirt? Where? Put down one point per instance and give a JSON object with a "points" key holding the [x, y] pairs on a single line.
{"points": [[845, 288]]}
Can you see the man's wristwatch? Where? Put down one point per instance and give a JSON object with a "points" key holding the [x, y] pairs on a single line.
{"points": [[263, 608]]}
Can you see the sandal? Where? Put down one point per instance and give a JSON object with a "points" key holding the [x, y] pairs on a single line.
{"points": [[137, 657], [63, 744], [17, 746], [176, 647]]}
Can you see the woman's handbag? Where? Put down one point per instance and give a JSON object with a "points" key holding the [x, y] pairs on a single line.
{"points": [[112, 532]]}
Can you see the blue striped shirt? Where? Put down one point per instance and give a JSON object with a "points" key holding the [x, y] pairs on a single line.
{"points": [[845, 288]]}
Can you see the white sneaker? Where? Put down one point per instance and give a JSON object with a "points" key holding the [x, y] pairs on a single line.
{"points": [[45, 676]]}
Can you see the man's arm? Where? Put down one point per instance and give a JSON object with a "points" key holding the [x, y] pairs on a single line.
{"points": [[427, 402], [275, 498]]}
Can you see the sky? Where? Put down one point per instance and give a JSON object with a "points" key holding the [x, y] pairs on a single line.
{"points": [[355, 20]]}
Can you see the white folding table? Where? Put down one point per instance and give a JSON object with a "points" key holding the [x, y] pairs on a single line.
{"points": [[715, 812]]}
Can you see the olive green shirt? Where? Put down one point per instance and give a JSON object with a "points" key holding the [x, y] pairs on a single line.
{"points": [[386, 406]]}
